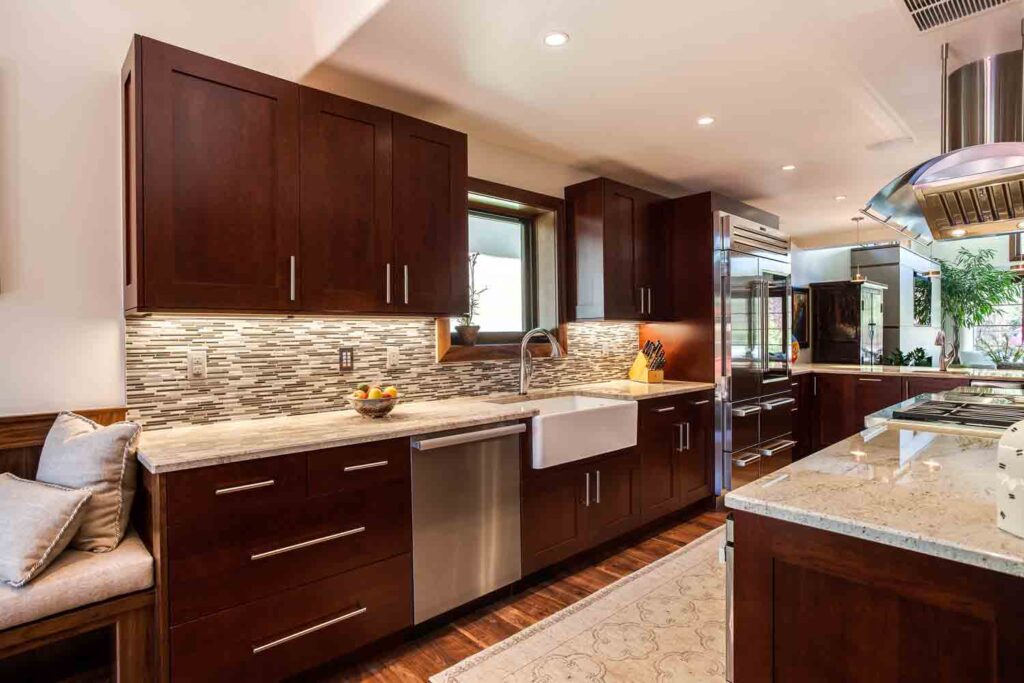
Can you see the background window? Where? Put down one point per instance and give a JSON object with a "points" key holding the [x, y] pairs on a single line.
{"points": [[1002, 333], [502, 246]]}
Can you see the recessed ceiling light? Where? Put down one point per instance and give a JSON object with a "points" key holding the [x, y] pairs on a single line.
{"points": [[705, 120], [840, 197], [556, 39], [958, 232], [789, 167]]}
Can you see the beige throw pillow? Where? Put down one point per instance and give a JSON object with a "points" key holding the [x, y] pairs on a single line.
{"points": [[79, 453], [36, 522]]}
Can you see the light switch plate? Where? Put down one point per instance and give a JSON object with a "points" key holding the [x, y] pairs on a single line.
{"points": [[393, 357], [197, 363], [346, 359]]}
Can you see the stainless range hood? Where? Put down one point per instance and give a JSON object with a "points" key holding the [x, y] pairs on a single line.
{"points": [[978, 188]]}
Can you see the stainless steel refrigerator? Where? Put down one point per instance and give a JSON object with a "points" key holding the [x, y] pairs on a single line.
{"points": [[752, 323]]}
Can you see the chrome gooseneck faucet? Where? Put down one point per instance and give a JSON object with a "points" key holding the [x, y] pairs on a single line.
{"points": [[526, 358]]}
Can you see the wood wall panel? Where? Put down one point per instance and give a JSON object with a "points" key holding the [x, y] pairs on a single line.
{"points": [[22, 437]]}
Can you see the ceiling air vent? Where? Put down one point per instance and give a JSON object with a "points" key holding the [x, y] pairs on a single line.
{"points": [[929, 14]]}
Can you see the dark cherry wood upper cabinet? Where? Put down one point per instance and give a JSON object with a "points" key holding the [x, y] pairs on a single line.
{"points": [[347, 240], [431, 219], [244, 192], [615, 252], [218, 184]]}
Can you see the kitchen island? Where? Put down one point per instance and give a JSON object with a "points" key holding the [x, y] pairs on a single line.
{"points": [[878, 558]]}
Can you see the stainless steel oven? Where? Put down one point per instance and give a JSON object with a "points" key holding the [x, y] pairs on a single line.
{"points": [[752, 326]]}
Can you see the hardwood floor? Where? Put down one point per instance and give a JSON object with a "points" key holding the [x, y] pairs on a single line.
{"points": [[443, 646]]}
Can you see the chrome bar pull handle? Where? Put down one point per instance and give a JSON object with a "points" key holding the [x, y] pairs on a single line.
{"points": [[405, 270], [306, 544], [366, 466], [586, 493], [650, 307], [666, 409], [684, 436], [291, 278], [597, 475], [306, 631], [387, 283], [244, 487]]}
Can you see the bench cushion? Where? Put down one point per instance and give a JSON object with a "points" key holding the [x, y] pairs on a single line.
{"points": [[76, 579]]}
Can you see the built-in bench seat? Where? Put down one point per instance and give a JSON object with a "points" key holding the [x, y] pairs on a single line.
{"points": [[80, 591], [76, 579]]}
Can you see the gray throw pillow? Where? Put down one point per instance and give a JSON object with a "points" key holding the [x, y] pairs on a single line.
{"points": [[79, 453], [37, 521]]}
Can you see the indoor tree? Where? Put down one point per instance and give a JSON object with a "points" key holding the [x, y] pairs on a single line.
{"points": [[971, 289]]}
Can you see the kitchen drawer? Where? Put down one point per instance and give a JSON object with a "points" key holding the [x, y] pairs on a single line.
{"points": [[775, 455], [211, 495], [294, 630], [661, 411], [776, 416], [212, 568], [352, 467], [743, 425]]}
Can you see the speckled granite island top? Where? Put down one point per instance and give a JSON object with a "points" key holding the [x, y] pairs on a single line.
{"points": [[168, 450], [924, 491], [952, 373]]}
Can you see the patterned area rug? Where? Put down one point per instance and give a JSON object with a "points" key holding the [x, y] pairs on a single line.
{"points": [[664, 623]]}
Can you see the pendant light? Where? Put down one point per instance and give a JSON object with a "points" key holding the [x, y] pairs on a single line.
{"points": [[858, 278]]}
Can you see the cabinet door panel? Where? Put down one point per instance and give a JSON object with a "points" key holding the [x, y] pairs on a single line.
{"points": [[834, 403], [553, 521], [621, 288], [220, 181], [346, 203], [659, 486], [876, 393], [696, 449], [614, 496], [431, 214]]}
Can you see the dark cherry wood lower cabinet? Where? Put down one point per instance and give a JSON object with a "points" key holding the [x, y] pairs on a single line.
{"points": [[614, 507], [570, 508], [813, 606], [553, 516], [676, 444], [268, 567], [294, 630], [915, 386]]}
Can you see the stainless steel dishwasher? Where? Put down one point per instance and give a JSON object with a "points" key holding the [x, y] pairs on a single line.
{"points": [[465, 516]]}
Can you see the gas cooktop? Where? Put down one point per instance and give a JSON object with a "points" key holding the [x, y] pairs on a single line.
{"points": [[966, 409]]}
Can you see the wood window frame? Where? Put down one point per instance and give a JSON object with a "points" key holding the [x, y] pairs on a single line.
{"points": [[502, 346]]}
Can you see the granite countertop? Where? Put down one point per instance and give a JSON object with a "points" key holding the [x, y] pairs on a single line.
{"points": [[952, 373], [925, 491], [182, 448]]}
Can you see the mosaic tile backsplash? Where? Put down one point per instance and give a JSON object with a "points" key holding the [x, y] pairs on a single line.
{"points": [[289, 365]]}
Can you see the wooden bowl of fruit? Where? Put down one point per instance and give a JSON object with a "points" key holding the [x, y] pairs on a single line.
{"points": [[372, 401]]}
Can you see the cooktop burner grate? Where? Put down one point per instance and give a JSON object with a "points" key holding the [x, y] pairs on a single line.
{"points": [[963, 413]]}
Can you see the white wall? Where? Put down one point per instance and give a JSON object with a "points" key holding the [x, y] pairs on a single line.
{"points": [[61, 327], [820, 265]]}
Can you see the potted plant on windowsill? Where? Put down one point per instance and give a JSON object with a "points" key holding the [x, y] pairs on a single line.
{"points": [[466, 330]]}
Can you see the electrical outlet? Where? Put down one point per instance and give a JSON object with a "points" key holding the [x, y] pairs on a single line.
{"points": [[393, 357], [346, 359], [197, 363]]}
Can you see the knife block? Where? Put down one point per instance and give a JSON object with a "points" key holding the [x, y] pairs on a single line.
{"points": [[641, 371]]}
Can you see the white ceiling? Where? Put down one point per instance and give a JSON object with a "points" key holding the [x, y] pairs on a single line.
{"points": [[847, 90]]}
